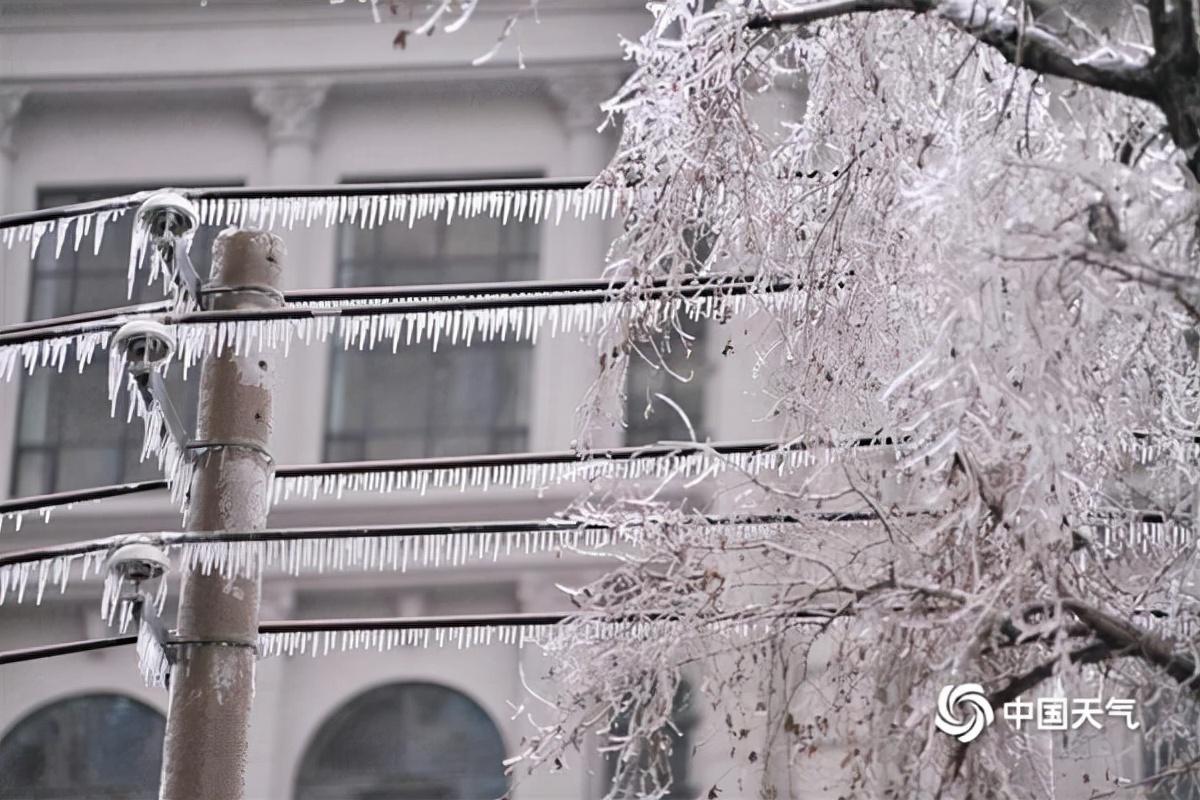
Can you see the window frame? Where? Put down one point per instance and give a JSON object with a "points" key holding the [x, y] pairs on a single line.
{"points": [[360, 438]]}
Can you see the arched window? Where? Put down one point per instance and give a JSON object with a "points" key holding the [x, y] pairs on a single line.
{"points": [[405, 741], [96, 746]]}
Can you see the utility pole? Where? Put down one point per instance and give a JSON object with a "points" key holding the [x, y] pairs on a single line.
{"points": [[212, 680]]}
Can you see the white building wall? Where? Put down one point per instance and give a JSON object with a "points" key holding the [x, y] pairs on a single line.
{"points": [[124, 92]]}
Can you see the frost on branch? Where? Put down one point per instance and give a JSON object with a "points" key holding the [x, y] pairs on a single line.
{"points": [[1001, 274]]}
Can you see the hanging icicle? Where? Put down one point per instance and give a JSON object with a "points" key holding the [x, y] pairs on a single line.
{"points": [[369, 324], [369, 205], [307, 551], [88, 218], [403, 548], [548, 632], [153, 663], [537, 474]]}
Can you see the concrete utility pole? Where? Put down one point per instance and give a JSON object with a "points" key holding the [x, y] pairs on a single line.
{"points": [[212, 682]]}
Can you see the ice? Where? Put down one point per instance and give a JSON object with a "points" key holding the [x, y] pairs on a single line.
{"points": [[367, 210], [153, 663], [372, 323], [570, 632]]}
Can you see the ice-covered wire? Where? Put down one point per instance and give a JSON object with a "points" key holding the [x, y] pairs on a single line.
{"points": [[126, 202], [310, 304], [368, 205], [297, 551], [513, 470], [368, 324]]}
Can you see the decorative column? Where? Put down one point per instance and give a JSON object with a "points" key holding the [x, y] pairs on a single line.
{"points": [[292, 111], [564, 368], [14, 288], [578, 96]]}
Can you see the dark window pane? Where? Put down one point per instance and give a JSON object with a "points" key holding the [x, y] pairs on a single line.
{"points": [[405, 741], [64, 417], [649, 419], [418, 403], [104, 747]]}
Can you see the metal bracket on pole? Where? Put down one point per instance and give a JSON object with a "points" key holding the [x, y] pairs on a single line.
{"points": [[170, 220], [147, 346], [137, 562], [154, 390]]}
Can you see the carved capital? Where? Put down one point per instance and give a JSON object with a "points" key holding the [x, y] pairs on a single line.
{"points": [[291, 108], [578, 96], [11, 99]]}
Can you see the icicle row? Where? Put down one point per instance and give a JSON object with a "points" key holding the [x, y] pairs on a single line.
{"points": [[365, 210], [401, 328], [540, 475], [87, 223], [384, 552], [372, 210], [56, 571], [570, 633]]}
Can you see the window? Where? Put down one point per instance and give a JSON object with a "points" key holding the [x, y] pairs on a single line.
{"points": [[100, 747], [648, 418], [417, 403], [65, 436], [405, 741]]}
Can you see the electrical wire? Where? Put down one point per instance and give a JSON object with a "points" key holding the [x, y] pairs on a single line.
{"points": [[38, 502], [125, 202], [417, 300]]}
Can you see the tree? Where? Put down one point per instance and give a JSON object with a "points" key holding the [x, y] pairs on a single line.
{"points": [[1000, 267]]}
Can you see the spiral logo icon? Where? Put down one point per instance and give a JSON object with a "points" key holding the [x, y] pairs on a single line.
{"points": [[971, 700]]}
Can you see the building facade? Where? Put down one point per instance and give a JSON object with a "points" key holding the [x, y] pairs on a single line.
{"points": [[102, 98]]}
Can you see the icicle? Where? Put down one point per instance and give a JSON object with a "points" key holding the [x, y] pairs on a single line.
{"points": [[391, 328], [153, 663]]}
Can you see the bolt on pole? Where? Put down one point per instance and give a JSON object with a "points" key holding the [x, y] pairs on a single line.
{"points": [[212, 682]]}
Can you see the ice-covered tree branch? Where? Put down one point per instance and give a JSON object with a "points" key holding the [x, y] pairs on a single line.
{"points": [[1025, 43]]}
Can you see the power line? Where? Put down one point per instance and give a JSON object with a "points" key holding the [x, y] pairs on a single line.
{"points": [[420, 464], [67, 648], [400, 464], [452, 298], [234, 193], [414, 530], [458, 622]]}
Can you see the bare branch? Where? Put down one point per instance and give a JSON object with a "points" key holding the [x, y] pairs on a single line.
{"points": [[1128, 638]]}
